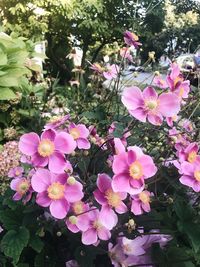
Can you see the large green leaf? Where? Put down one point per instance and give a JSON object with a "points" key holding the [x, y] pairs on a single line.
{"points": [[6, 93], [13, 243]]}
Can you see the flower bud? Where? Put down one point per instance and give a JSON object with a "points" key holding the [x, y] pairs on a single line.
{"points": [[71, 180]]}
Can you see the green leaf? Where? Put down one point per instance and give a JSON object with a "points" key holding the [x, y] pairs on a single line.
{"points": [[3, 59], [192, 230], [13, 243], [10, 219], [6, 93], [36, 243]]}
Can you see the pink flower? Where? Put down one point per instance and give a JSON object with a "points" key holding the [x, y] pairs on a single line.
{"points": [[1, 229], [111, 71], [71, 263], [49, 149], [109, 200], [125, 53], [131, 39], [148, 105], [116, 254], [131, 169], [16, 172], [97, 68], [95, 229], [80, 134], [133, 247], [23, 189], [170, 120], [191, 174], [189, 153], [78, 221], [158, 81], [141, 202], [56, 121], [56, 191]]}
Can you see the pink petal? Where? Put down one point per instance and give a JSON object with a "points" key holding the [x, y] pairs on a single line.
{"points": [[103, 182], [132, 98], [108, 217], [17, 196], [83, 130], [83, 222], [196, 186], [104, 234], [89, 237], [131, 157], [187, 168], [187, 180], [28, 143], [146, 207], [14, 183], [57, 162], [148, 166], [74, 192], [155, 119], [59, 208], [169, 104], [136, 184], [83, 143], [41, 180], [65, 143], [38, 160], [49, 134], [99, 196], [43, 200], [120, 183], [136, 208], [122, 208], [150, 92], [120, 163], [139, 114]]}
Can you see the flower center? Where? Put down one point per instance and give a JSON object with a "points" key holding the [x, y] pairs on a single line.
{"points": [[136, 170], [46, 148], [55, 119], [73, 219], [134, 36], [113, 198], [181, 92], [197, 175], [17, 173], [144, 197], [151, 104], [97, 225], [78, 207], [178, 79], [127, 248], [56, 191], [71, 180], [192, 156], [23, 187], [75, 133]]}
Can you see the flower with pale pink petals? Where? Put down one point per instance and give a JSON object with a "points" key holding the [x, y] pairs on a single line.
{"points": [[131, 39], [131, 169], [56, 191], [141, 202], [96, 67], [111, 71], [80, 135], [49, 149], [190, 153], [23, 189], [148, 105], [16, 172], [125, 53], [56, 121], [109, 200], [71, 263], [95, 230], [159, 82]]}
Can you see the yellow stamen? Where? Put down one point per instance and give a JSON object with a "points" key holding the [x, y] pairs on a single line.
{"points": [[23, 187], [71, 180], [144, 197], [78, 207], [136, 170], [197, 175], [113, 198], [46, 148], [151, 104], [97, 225], [73, 219], [192, 156], [75, 133], [56, 191]]}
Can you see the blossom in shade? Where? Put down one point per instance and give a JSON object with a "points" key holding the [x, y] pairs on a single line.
{"points": [[16, 172], [78, 220], [190, 153], [170, 120], [116, 254], [111, 71], [131, 39], [1, 229], [131, 169], [109, 200], [158, 81], [56, 121], [49, 149], [56, 191], [23, 189], [71, 263], [95, 230], [80, 134], [191, 174], [125, 53], [141, 202], [133, 247], [96, 67], [148, 105]]}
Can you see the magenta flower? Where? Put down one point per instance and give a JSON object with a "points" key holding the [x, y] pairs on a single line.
{"points": [[109, 200], [16, 172], [56, 191], [148, 105], [23, 189], [111, 71], [56, 121], [158, 81], [80, 134], [189, 153], [131, 39], [191, 174], [131, 169], [95, 230], [141, 202], [49, 149]]}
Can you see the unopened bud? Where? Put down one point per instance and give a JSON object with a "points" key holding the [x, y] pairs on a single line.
{"points": [[71, 180]]}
